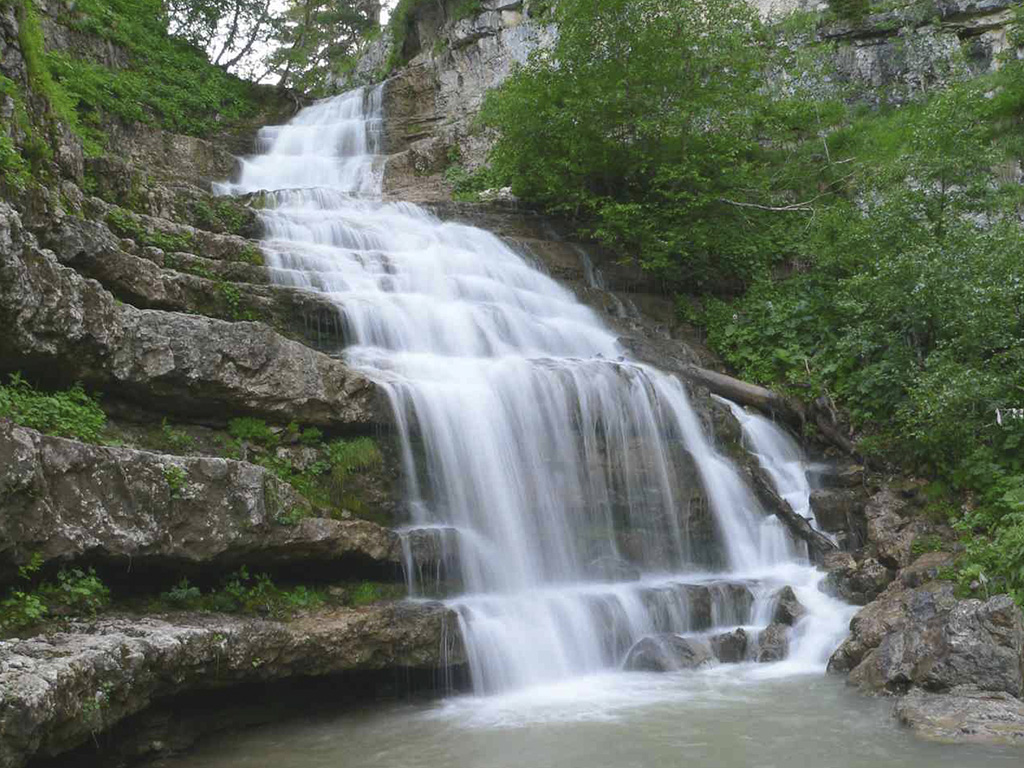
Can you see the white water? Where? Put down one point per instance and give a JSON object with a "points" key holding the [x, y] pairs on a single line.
{"points": [[524, 431]]}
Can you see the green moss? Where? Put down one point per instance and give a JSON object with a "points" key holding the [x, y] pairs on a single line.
{"points": [[126, 224]]}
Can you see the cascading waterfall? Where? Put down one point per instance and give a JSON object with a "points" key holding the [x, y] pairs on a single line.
{"points": [[554, 463]]}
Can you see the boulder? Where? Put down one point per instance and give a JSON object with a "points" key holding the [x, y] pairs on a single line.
{"points": [[773, 643], [965, 714], [62, 325], [841, 510], [729, 647], [58, 691], [68, 500], [788, 609], [855, 582], [666, 653], [925, 637]]}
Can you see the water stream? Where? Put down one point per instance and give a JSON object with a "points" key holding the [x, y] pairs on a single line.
{"points": [[576, 489]]}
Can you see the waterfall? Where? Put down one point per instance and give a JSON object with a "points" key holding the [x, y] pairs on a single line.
{"points": [[587, 506]]}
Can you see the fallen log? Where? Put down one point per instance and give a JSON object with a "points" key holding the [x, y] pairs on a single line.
{"points": [[792, 411], [818, 544]]}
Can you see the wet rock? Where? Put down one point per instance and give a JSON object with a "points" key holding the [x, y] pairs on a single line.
{"points": [[773, 643], [69, 500], [892, 528], [965, 714], [841, 510], [729, 647], [57, 691], [839, 475], [666, 653], [788, 608], [925, 637], [890, 613], [57, 321], [855, 582]]}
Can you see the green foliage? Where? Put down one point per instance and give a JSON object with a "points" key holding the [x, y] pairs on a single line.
{"points": [[71, 413], [127, 224], [75, 592], [369, 592], [467, 185], [466, 9], [850, 10], [177, 480], [176, 440], [251, 430], [41, 81], [169, 82], [909, 307], [244, 593], [322, 481], [661, 158], [318, 41], [14, 171]]}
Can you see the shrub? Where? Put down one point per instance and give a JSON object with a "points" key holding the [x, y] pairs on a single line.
{"points": [[71, 413]]}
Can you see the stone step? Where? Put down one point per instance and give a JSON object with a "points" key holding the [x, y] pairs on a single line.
{"points": [[148, 514], [65, 328]]}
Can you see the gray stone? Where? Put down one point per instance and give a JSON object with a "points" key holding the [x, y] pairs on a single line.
{"points": [[773, 643], [666, 653], [964, 715], [68, 501], [855, 582], [57, 691], [729, 647], [926, 637], [788, 608], [57, 321]]}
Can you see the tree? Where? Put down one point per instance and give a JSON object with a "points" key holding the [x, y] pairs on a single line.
{"points": [[317, 39], [643, 123], [234, 33]]}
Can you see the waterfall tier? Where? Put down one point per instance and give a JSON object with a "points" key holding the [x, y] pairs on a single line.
{"points": [[581, 502]]}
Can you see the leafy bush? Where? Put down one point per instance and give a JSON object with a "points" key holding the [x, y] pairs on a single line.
{"points": [[75, 592], [71, 413], [245, 593]]}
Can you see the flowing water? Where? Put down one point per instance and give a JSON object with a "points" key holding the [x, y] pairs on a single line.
{"points": [[577, 493]]}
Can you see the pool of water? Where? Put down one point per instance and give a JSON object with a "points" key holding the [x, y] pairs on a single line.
{"points": [[731, 717]]}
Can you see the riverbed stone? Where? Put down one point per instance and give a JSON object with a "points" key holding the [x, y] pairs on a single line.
{"points": [[667, 653], [788, 608], [773, 643], [730, 647], [965, 714]]}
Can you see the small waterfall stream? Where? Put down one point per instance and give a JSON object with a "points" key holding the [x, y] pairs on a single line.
{"points": [[576, 489]]}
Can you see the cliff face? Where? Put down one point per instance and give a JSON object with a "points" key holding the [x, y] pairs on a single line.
{"points": [[432, 100]]}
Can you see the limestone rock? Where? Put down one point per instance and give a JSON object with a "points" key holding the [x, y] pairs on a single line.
{"points": [[58, 690], [773, 643], [57, 321], [926, 637], [964, 715], [855, 582], [666, 653], [69, 501]]}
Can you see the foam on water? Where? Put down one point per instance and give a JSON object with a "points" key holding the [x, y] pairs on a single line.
{"points": [[526, 433]]}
